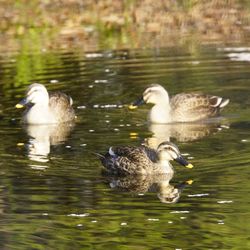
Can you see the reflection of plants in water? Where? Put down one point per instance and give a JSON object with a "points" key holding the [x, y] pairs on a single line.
{"points": [[28, 65]]}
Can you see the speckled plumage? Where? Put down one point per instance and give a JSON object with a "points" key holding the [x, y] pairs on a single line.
{"points": [[127, 160], [130, 160], [189, 107], [61, 106]]}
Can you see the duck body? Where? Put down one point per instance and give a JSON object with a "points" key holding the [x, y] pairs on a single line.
{"points": [[183, 107], [38, 114], [46, 108], [126, 160], [130, 160], [194, 107], [160, 114]]}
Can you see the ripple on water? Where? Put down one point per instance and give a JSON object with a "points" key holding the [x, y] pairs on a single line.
{"points": [[67, 200]]}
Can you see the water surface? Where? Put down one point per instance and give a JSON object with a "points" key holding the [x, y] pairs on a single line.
{"points": [[52, 192]]}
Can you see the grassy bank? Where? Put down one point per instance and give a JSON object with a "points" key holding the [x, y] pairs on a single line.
{"points": [[91, 25]]}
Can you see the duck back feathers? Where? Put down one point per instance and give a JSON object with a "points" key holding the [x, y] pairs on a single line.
{"points": [[193, 107], [60, 104], [129, 160]]}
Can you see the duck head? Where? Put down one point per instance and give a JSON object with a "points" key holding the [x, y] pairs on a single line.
{"points": [[154, 94], [168, 151], [36, 94]]}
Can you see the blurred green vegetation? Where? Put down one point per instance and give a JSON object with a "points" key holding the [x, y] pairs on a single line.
{"points": [[93, 25]]}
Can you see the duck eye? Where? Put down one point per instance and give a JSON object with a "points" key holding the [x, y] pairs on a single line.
{"points": [[32, 91], [148, 91]]}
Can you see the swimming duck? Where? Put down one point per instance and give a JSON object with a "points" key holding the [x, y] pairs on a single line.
{"points": [[46, 108], [128, 160], [183, 107]]}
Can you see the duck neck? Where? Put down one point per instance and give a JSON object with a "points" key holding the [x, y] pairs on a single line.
{"points": [[160, 113], [41, 106], [39, 113], [165, 166]]}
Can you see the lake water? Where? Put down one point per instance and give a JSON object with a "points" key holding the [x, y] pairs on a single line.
{"points": [[52, 191]]}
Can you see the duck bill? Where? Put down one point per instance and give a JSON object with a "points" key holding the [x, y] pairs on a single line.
{"points": [[137, 103], [181, 160], [22, 103]]}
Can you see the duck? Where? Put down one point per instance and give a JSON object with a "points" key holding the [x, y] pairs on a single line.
{"points": [[132, 160], [183, 107], [43, 107]]}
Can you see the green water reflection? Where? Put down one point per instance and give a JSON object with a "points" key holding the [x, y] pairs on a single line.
{"points": [[52, 192]]}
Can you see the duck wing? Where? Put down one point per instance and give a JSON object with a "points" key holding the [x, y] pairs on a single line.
{"points": [[151, 154], [193, 107], [61, 105], [127, 160]]}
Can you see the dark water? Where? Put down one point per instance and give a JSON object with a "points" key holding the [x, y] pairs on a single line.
{"points": [[52, 192]]}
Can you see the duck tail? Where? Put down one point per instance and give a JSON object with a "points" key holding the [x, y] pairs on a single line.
{"points": [[218, 102], [224, 103], [99, 155]]}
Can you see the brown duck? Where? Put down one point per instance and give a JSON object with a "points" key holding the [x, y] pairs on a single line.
{"points": [[142, 160]]}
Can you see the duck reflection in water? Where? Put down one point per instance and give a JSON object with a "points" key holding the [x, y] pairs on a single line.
{"points": [[141, 184], [181, 132], [41, 137]]}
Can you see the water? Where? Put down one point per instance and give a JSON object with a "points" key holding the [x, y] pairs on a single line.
{"points": [[52, 192]]}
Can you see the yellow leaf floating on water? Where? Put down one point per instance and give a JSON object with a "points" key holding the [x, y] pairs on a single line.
{"points": [[133, 135], [131, 107]]}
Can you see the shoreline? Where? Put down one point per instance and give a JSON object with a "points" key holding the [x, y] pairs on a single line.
{"points": [[130, 24]]}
